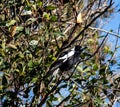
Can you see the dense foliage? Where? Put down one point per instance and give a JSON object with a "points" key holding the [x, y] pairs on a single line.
{"points": [[33, 33]]}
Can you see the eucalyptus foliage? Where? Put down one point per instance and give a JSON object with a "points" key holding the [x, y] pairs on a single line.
{"points": [[33, 33]]}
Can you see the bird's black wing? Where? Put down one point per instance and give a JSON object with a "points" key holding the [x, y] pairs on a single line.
{"points": [[56, 64], [64, 53]]}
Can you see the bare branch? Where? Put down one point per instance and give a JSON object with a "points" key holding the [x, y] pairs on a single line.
{"points": [[98, 29]]}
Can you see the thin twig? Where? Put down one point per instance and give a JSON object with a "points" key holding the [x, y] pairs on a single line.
{"points": [[93, 28]]}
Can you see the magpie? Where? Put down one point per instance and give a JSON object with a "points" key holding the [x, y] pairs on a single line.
{"points": [[66, 60]]}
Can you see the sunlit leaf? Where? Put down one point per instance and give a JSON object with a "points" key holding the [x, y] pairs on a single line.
{"points": [[30, 20], [50, 7], [106, 49], [19, 28], [1, 87], [1, 61], [79, 18], [79, 68], [46, 15], [11, 22], [90, 41], [33, 42], [34, 79], [12, 46], [87, 69], [21, 55]]}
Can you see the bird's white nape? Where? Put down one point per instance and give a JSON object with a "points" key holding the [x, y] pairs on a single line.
{"points": [[71, 53]]}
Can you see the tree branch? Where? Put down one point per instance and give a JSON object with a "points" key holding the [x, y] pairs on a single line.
{"points": [[87, 26], [98, 29]]}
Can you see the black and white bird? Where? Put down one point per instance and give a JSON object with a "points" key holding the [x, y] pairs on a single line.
{"points": [[66, 60]]}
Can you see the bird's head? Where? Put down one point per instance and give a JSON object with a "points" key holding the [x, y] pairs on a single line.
{"points": [[79, 48]]}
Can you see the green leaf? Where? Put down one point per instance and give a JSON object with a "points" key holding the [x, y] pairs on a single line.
{"points": [[3, 45], [34, 80], [21, 55], [53, 98], [33, 42], [27, 31], [46, 15], [79, 68], [53, 18], [57, 33], [19, 28], [1, 87], [1, 61], [99, 101], [11, 22], [50, 7], [111, 52], [12, 46], [17, 70], [90, 41], [49, 104], [111, 30], [94, 80], [113, 62], [106, 49], [28, 3], [87, 69], [95, 67], [30, 20], [30, 64], [39, 4]]}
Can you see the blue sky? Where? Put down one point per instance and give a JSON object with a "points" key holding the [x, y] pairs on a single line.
{"points": [[113, 25]]}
